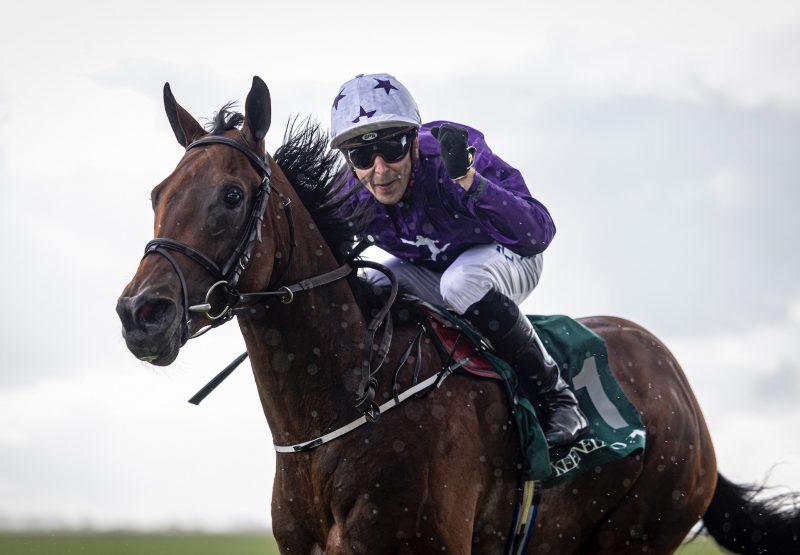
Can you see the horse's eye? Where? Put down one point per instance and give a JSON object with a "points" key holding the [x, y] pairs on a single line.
{"points": [[233, 197]]}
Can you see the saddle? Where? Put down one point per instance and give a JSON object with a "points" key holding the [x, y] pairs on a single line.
{"points": [[454, 346]]}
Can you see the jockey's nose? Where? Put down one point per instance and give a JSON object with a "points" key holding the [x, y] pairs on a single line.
{"points": [[380, 165]]}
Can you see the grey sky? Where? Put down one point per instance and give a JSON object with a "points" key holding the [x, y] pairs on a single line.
{"points": [[663, 138]]}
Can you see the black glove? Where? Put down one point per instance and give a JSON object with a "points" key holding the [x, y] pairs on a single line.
{"points": [[456, 155]]}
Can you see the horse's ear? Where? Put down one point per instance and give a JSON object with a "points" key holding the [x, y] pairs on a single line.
{"points": [[184, 126], [257, 111]]}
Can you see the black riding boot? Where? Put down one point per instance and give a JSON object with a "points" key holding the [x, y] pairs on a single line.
{"points": [[513, 337]]}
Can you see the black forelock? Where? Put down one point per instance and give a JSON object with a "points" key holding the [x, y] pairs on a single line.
{"points": [[225, 120]]}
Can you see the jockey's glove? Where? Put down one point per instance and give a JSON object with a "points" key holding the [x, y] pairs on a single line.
{"points": [[456, 155]]}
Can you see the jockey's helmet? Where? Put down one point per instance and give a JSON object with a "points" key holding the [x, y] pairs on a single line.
{"points": [[367, 104]]}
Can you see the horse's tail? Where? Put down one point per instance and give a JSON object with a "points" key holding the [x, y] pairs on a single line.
{"points": [[742, 524]]}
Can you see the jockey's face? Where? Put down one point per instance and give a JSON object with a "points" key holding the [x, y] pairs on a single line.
{"points": [[387, 181]]}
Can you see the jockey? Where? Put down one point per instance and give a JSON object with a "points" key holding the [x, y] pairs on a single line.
{"points": [[460, 224]]}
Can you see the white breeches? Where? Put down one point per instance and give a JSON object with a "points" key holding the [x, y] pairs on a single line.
{"points": [[468, 278]]}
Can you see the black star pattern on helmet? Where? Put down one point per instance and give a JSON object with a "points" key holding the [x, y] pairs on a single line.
{"points": [[337, 99], [385, 84], [364, 113]]}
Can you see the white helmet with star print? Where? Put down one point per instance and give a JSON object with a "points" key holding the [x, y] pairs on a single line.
{"points": [[369, 103]]}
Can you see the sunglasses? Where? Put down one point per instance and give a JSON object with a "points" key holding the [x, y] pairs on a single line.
{"points": [[391, 149]]}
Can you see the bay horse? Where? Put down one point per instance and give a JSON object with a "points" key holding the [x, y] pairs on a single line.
{"points": [[238, 232]]}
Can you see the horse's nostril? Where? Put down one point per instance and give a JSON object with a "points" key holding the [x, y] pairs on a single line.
{"points": [[146, 313], [156, 312]]}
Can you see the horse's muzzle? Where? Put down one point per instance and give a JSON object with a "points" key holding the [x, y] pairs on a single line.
{"points": [[151, 327]]}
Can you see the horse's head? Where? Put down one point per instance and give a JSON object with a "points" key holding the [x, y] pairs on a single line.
{"points": [[207, 223]]}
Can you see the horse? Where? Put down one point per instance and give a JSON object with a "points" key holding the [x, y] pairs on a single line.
{"points": [[241, 233]]}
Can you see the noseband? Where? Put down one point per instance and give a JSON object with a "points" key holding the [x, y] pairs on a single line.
{"points": [[227, 276]]}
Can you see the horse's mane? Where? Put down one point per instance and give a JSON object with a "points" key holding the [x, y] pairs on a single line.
{"points": [[319, 178]]}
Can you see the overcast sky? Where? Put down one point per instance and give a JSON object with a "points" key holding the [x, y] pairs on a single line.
{"points": [[664, 138]]}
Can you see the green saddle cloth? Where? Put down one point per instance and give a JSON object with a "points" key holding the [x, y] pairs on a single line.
{"points": [[615, 427]]}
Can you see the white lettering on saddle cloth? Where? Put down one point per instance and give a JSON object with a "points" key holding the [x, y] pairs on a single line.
{"points": [[427, 242], [583, 447], [573, 458]]}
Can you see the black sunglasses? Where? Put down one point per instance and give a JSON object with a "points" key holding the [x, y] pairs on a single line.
{"points": [[391, 149]]}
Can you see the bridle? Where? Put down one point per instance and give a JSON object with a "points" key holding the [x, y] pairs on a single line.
{"points": [[226, 276]]}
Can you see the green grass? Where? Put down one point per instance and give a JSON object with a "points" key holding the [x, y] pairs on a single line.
{"points": [[85, 543], [125, 543], [701, 546]]}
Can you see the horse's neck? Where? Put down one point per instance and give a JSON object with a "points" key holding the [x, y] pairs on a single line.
{"points": [[303, 353]]}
